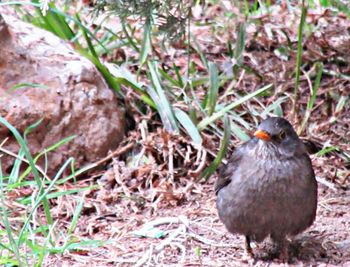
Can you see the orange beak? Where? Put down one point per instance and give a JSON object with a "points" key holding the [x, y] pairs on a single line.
{"points": [[262, 135]]}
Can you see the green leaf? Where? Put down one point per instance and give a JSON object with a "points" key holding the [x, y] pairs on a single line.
{"points": [[24, 85], [327, 150], [311, 102], [341, 6], [35, 172], [222, 150], [87, 243], [274, 106], [237, 131], [47, 150], [163, 105], [32, 127], [189, 126], [55, 22], [146, 44], [316, 86], [178, 75], [206, 121], [214, 88], [299, 56], [76, 215], [166, 76], [341, 103], [40, 198], [86, 37], [240, 43]]}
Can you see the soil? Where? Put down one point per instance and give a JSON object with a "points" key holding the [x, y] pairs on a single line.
{"points": [[194, 236]]}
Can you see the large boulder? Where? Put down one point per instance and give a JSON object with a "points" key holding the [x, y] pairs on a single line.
{"points": [[73, 98]]}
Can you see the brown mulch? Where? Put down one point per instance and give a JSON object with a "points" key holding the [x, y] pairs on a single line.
{"points": [[196, 237]]}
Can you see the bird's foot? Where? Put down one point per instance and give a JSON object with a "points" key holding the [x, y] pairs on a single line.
{"points": [[284, 256], [248, 247], [282, 245]]}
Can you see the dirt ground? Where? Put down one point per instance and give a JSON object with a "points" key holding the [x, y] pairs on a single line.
{"points": [[194, 236]]}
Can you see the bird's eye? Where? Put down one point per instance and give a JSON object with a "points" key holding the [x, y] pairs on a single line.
{"points": [[282, 135]]}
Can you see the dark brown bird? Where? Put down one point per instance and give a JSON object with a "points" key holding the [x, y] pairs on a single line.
{"points": [[268, 187]]}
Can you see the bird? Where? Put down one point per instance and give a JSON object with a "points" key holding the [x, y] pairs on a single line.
{"points": [[268, 187]]}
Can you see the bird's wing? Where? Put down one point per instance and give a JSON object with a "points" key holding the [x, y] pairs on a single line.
{"points": [[226, 170], [311, 146]]}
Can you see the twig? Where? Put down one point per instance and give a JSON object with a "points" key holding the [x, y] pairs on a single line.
{"points": [[119, 179], [5, 140], [8, 152], [182, 229], [203, 226], [171, 161], [326, 183], [169, 220], [150, 255], [209, 242], [160, 247], [201, 163], [115, 153], [188, 153]]}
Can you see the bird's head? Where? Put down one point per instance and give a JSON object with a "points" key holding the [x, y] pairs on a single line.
{"points": [[277, 134]]}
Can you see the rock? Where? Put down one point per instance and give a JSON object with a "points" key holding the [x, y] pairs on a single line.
{"points": [[73, 99]]}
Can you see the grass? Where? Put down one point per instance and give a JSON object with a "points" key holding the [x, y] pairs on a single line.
{"points": [[299, 54], [198, 102], [27, 236]]}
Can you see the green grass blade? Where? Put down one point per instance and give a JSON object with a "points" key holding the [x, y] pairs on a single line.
{"points": [[199, 51], [146, 47], [112, 82], [170, 79], [35, 172], [240, 43], [14, 175], [158, 96], [44, 249], [32, 127], [131, 41], [341, 103], [86, 37], [61, 15], [237, 131], [313, 94], [189, 126], [6, 223], [161, 110], [213, 89], [327, 150], [341, 6], [206, 121], [47, 150], [178, 75], [42, 196], [273, 107], [24, 85], [299, 56], [222, 150], [55, 22], [76, 215], [343, 100], [316, 86]]}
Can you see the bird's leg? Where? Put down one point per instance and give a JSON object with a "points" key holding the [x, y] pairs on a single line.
{"points": [[248, 247], [284, 256], [282, 244]]}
